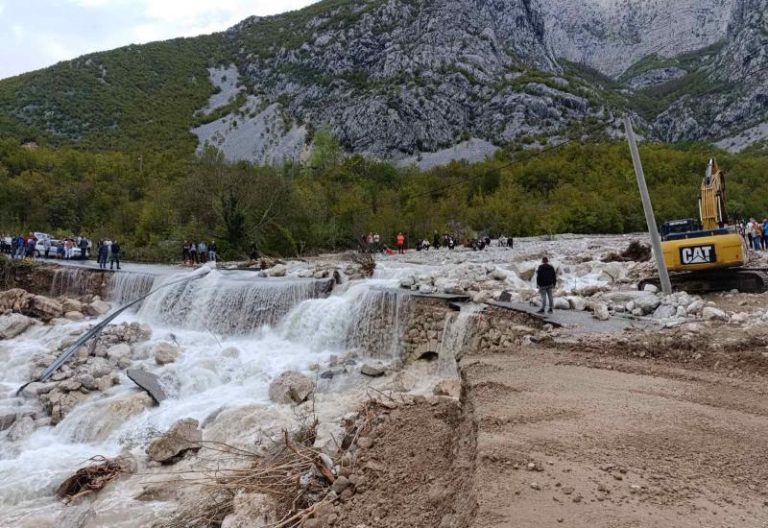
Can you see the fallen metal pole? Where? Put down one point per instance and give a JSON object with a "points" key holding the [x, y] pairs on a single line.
{"points": [[666, 285], [93, 332]]}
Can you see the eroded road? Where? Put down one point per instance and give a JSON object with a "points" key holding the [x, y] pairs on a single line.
{"points": [[564, 444]]}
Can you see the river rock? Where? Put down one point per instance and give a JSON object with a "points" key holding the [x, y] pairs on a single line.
{"points": [[665, 311], [7, 419], [695, 307], [291, 387], [119, 351], [98, 308], [644, 300], [372, 371], [21, 428], [710, 313], [74, 316], [577, 303], [562, 303], [14, 324], [71, 305], [278, 270], [600, 311], [165, 353], [183, 436], [149, 382], [45, 308], [499, 275]]}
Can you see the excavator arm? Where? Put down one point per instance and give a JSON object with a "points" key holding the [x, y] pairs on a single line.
{"points": [[712, 199]]}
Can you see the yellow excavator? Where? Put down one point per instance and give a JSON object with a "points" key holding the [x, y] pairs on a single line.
{"points": [[708, 255]]}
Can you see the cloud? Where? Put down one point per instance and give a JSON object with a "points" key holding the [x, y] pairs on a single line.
{"points": [[47, 31]]}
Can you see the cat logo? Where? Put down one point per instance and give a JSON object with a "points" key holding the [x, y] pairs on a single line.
{"points": [[698, 254]]}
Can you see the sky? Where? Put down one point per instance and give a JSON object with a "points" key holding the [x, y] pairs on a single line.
{"points": [[38, 33]]}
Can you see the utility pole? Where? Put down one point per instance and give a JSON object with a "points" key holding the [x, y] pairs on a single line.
{"points": [[666, 285]]}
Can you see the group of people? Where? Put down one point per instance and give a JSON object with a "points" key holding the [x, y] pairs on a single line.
{"points": [[34, 245], [198, 253], [108, 250], [755, 233]]}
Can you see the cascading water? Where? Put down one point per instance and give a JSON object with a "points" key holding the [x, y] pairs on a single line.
{"points": [[236, 331], [74, 282], [229, 302], [367, 319], [125, 287]]}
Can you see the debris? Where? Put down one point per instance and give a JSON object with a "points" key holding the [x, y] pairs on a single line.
{"points": [[90, 479]]}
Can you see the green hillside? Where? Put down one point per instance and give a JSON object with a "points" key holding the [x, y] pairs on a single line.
{"points": [[133, 98]]}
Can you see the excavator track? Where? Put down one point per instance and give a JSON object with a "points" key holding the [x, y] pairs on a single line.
{"points": [[745, 280]]}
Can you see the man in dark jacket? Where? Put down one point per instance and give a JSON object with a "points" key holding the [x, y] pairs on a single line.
{"points": [[114, 252], [546, 279]]}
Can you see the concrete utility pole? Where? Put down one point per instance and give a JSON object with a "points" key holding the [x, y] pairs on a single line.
{"points": [[666, 285]]}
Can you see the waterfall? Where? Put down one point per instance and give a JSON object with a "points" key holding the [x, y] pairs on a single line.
{"points": [[74, 282], [231, 303], [369, 320], [125, 287]]}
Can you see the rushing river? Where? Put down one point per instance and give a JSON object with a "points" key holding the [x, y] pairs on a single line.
{"points": [[237, 332]]}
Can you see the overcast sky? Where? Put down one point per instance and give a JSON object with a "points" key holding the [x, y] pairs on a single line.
{"points": [[38, 33]]}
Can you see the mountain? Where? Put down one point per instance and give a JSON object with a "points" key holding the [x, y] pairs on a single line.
{"points": [[416, 81]]}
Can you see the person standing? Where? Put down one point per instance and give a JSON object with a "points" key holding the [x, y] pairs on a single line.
{"points": [[212, 251], [202, 251], [400, 239], [47, 246], [114, 255], [103, 254], [376, 243], [546, 278], [83, 248]]}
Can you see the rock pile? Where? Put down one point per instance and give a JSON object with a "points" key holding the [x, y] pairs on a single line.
{"points": [[91, 369]]}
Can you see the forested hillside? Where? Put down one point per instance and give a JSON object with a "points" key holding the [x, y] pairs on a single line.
{"points": [[331, 200]]}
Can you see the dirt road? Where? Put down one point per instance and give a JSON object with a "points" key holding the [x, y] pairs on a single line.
{"points": [[566, 445], [557, 437]]}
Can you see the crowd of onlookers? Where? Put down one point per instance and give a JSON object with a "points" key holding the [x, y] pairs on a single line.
{"points": [[372, 243], [755, 233], [41, 245], [199, 253]]}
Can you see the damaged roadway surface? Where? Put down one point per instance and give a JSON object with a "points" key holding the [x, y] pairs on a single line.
{"points": [[559, 442]]}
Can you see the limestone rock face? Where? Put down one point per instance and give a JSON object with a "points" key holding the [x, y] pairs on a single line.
{"points": [[183, 436], [291, 387]]}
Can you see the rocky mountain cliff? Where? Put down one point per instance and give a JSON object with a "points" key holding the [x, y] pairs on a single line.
{"points": [[399, 79]]}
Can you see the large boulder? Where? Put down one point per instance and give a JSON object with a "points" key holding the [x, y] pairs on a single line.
{"points": [[165, 353], [71, 305], [278, 271], [98, 308], [710, 313], [14, 324], [600, 311], [45, 308], [149, 382], [291, 387], [182, 437], [646, 301]]}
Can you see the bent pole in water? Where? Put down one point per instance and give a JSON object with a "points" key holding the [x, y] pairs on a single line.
{"points": [[93, 332], [666, 285]]}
